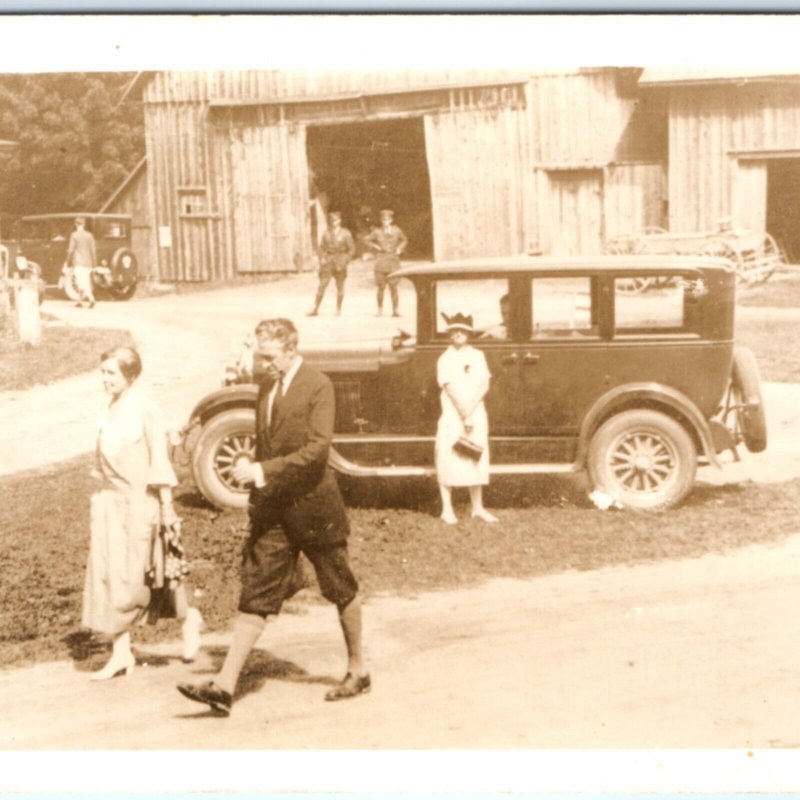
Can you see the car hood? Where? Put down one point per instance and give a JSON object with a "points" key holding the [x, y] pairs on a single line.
{"points": [[358, 356]]}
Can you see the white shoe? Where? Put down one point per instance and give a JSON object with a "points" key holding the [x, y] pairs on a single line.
{"points": [[483, 514], [448, 518], [114, 667], [191, 633]]}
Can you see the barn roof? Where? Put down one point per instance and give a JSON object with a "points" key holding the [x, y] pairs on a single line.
{"points": [[683, 76], [125, 183]]}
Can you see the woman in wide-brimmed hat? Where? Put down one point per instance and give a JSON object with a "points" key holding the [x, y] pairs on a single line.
{"points": [[462, 436]]}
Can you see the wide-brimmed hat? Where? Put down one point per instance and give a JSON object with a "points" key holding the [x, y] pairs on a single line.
{"points": [[459, 321]]}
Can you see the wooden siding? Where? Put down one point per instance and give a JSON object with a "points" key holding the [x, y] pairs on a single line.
{"points": [[180, 87], [490, 160], [577, 119], [476, 182], [179, 157], [634, 198], [270, 198], [133, 200], [709, 129]]}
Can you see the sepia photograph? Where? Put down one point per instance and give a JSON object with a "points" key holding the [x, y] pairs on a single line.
{"points": [[386, 384]]}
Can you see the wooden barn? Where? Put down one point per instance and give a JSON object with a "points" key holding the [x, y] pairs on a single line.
{"points": [[242, 164], [734, 150]]}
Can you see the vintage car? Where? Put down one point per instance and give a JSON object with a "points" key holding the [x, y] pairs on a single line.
{"points": [[39, 243], [636, 388]]}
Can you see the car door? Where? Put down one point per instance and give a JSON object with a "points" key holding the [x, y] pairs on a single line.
{"points": [[563, 369]]}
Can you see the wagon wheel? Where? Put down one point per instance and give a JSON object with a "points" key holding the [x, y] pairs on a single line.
{"points": [[618, 246], [720, 248], [771, 258]]}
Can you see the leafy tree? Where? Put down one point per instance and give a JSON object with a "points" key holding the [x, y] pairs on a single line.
{"points": [[77, 142]]}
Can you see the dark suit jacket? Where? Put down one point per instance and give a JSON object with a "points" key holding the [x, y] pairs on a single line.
{"points": [[301, 493]]}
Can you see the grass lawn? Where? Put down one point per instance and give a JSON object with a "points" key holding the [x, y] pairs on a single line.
{"points": [[397, 544], [775, 344], [62, 352], [773, 293]]}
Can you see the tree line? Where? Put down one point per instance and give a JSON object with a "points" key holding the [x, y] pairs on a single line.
{"points": [[76, 141]]}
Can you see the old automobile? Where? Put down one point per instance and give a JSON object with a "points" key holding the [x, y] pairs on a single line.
{"points": [[636, 388], [39, 244]]}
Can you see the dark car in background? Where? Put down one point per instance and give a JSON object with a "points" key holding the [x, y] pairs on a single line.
{"points": [[638, 388], [39, 243]]}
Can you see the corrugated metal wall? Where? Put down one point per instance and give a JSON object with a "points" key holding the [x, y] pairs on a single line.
{"points": [[706, 129], [477, 176]]}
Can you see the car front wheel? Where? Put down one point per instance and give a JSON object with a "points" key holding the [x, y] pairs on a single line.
{"points": [[224, 441], [644, 459]]}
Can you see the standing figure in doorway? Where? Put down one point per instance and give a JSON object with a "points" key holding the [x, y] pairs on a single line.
{"points": [[462, 436], [82, 257], [336, 251], [389, 243]]}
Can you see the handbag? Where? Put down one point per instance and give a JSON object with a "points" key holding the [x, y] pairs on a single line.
{"points": [[467, 448]]}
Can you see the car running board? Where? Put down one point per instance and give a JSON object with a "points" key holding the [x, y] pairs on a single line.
{"points": [[353, 470]]}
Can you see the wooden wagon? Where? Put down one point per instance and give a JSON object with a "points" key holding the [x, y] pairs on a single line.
{"points": [[754, 254]]}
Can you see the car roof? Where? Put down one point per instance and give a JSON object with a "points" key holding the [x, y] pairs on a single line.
{"points": [[73, 215], [599, 263]]}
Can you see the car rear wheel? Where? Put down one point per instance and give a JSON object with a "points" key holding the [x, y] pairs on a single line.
{"points": [[746, 389], [644, 459], [122, 291], [224, 441]]}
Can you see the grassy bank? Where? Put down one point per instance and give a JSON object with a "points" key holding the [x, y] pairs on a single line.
{"points": [[397, 544], [62, 352]]}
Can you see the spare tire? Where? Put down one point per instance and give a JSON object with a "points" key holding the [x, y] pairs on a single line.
{"points": [[746, 385]]}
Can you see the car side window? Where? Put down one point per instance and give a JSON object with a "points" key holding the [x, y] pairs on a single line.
{"points": [[562, 308], [485, 299], [648, 304]]}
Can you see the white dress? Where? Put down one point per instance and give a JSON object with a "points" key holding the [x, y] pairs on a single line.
{"points": [[463, 371], [131, 458]]}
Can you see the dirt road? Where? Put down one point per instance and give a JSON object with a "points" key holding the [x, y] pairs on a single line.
{"points": [[678, 654]]}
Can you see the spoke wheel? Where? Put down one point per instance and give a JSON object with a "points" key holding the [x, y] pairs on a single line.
{"points": [[644, 459], [224, 441]]}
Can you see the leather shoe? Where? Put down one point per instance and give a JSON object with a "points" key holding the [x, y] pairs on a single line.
{"points": [[210, 693], [351, 686]]}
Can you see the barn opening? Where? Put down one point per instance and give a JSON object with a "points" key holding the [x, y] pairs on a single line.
{"points": [[374, 165], [783, 205]]}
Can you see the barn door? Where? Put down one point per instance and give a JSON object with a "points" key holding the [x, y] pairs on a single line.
{"points": [[750, 195], [575, 211], [474, 160], [270, 198]]}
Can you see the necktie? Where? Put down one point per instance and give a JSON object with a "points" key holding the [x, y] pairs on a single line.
{"points": [[276, 401]]}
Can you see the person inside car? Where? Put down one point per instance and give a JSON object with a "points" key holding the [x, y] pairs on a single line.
{"points": [[500, 331]]}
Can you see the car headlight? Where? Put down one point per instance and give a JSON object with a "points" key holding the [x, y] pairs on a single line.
{"points": [[21, 262]]}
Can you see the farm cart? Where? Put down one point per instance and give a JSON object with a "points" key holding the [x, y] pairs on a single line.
{"points": [[755, 254]]}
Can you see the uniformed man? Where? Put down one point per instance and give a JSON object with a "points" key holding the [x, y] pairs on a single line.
{"points": [[336, 251], [389, 243]]}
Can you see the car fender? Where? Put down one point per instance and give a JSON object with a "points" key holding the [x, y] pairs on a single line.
{"points": [[241, 395], [651, 394]]}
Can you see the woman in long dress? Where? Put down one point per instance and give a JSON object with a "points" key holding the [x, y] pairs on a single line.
{"points": [[463, 377], [134, 497]]}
